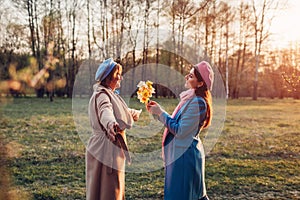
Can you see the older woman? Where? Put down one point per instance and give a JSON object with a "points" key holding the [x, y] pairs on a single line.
{"points": [[107, 148], [182, 149]]}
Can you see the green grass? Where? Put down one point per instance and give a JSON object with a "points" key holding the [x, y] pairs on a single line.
{"points": [[256, 157], [258, 152]]}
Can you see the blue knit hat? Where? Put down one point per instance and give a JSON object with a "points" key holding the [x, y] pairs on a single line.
{"points": [[104, 69]]}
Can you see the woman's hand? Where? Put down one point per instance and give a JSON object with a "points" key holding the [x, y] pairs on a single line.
{"points": [[113, 128], [154, 108], [135, 114]]}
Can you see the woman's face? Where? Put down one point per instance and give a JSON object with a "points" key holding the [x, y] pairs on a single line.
{"points": [[116, 78], [191, 81]]}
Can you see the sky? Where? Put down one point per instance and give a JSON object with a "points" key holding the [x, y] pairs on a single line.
{"points": [[285, 26]]}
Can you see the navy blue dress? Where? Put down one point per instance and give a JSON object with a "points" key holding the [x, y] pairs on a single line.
{"points": [[183, 151]]}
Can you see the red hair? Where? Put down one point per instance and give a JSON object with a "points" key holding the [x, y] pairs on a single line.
{"points": [[204, 92]]}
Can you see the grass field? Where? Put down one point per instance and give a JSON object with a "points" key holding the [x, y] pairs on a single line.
{"points": [[256, 157]]}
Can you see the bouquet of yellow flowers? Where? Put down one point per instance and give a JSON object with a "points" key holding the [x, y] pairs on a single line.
{"points": [[145, 91]]}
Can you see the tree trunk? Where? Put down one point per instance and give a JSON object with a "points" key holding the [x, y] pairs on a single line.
{"points": [[31, 26], [226, 64], [157, 49], [72, 65], [259, 37]]}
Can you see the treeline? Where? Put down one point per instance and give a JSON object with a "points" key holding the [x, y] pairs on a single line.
{"points": [[44, 45]]}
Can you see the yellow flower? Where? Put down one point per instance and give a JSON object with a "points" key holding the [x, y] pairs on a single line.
{"points": [[149, 84], [144, 100], [145, 91]]}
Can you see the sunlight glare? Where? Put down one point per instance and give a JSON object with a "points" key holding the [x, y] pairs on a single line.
{"points": [[285, 26]]}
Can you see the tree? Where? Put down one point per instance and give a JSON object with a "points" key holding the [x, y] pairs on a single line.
{"points": [[73, 64], [222, 16], [183, 13], [244, 33], [261, 33], [157, 23], [33, 10], [290, 69], [147, 25]]}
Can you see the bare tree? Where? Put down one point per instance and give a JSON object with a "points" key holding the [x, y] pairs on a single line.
{"points": [[224, 18], [34, 10], [89, 29], [157, 23], [244, 33], [261, 33], [147, 11], [182, 13], [290, 69], [29, 6], [73, 59], [185, 10]]}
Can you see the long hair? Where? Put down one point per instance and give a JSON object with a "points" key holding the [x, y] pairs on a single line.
{"points": [[204, 92]]}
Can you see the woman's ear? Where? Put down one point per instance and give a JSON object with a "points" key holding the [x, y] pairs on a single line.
{"points": [[200, 84]]}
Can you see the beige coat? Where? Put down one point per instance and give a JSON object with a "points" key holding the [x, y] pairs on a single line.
{"points": [[105, 160]]}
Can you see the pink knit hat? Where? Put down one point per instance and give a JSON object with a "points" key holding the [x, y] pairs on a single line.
{"points": [[206, 73]]}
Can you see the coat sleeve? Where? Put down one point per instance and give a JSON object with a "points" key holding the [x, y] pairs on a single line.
{"points": [[133, 111], [135, 114], [105, 110], [189, 121]]}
